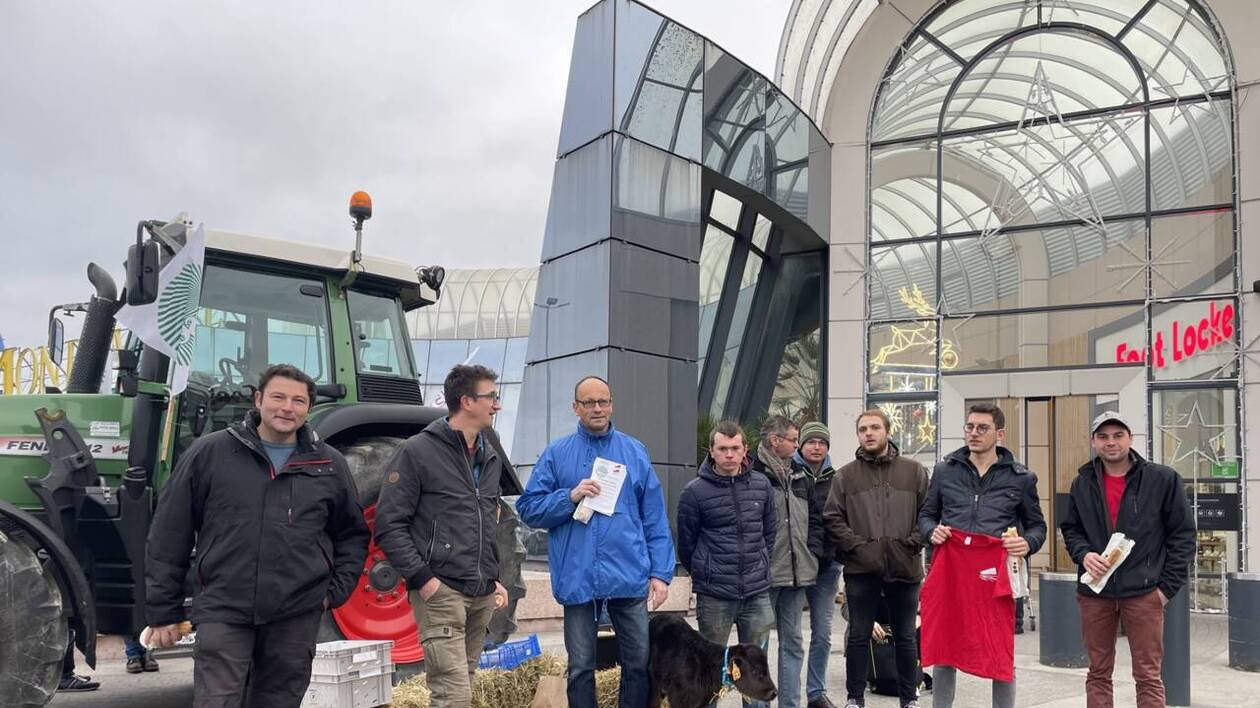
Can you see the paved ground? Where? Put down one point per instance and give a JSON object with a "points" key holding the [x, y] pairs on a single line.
{"points": [[1214, 684]]}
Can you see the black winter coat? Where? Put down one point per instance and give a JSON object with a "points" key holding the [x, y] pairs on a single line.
{"points": [[433, 519], [271, 544], [822, 488], [1153, 513], [726, 528], [1006, 496]]}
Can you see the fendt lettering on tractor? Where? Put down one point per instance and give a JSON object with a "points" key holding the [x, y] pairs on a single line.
{"points": [[82, 470]]}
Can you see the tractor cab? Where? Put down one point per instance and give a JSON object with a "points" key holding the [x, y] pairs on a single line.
{"points": [[266, 301]]}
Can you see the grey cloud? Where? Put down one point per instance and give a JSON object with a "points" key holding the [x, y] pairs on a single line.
{"points": [[264, 117]]}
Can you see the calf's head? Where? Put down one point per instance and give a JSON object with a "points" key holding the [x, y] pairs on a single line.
{"points": [[750, 672]]}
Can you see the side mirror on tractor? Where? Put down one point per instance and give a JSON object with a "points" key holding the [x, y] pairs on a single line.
{"points": [[56, 337], [142, 272]]}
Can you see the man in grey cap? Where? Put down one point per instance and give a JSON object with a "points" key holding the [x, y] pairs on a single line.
{"points": [[1120, 492]]}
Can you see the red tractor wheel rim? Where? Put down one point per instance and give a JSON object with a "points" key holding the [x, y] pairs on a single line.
{"points": [[371, 613]]}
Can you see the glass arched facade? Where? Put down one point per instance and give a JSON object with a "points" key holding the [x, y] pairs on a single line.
{"points": [[482, 316], [1052, 187]]}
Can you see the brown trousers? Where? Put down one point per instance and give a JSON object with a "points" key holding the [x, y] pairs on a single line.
{"points": [[1143, 621], [452, 632]]}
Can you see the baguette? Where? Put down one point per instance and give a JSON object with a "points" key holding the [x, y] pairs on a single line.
{"points": [[1113, 556]]}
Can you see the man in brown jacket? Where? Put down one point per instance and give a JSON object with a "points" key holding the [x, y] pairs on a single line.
{"points": [[871, 516]]}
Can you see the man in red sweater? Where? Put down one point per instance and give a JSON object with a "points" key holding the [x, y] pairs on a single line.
{"points": [[1119, 491]]}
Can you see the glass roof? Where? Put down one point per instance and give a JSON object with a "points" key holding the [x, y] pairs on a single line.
{"points": [[1056, 65], [1052, 126], [483, 303]]}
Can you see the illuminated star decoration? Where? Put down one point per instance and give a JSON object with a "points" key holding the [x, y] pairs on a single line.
{"points": [[927, 431], [1215, 445]]}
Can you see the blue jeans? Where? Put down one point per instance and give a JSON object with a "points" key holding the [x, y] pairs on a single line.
{"points": [[753, 617], [133, 648], [630, 620], [789, 604], [822, 605]]}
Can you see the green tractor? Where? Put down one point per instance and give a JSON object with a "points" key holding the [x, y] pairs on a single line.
{"points": [[81, 470]]}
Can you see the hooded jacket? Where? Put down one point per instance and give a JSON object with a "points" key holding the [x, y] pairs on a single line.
{"points": [[872, 515], [271, 544], [612, 556], [1153, 513], [822, 487], [435, 517], [799, 536], [1006, 496], [726, 531]]}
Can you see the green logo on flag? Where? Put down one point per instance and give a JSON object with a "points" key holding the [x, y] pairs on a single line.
{"points": [[177, 312]]}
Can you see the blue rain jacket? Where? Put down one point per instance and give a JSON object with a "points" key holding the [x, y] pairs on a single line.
{"points": [[612, 556]]}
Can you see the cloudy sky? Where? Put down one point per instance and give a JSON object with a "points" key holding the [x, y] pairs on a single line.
{"points": [[264, 117]]}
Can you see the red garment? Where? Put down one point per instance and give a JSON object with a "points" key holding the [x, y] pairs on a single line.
{"points": [[967, 609], [1115, 492]]}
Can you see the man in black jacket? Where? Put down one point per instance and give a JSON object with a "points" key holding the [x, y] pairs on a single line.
{"points": [[1119, 492], [280, 537], [726, 531], [981, 488], [436, 520]]}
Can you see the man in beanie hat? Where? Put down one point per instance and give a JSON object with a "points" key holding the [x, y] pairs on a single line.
{"points": [[812, 455]]}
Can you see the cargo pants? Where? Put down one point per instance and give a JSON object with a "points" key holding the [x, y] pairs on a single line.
{"points": [[260, 666], [452, 632]]}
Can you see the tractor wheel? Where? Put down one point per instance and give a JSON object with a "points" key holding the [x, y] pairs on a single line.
{"points": [[33, 631], [379, 608]]}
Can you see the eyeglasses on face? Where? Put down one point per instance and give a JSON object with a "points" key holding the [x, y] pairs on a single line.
{"points": [[492, 395], [592, 403], [981, 428]]}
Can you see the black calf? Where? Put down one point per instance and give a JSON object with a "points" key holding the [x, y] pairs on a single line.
{"points": [[687, 669]]}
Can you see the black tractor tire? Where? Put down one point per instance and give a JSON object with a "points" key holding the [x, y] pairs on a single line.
{"points": [[367, 459], [33, 630]]}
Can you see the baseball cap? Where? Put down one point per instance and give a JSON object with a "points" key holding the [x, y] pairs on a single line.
{"points": [[1109, 417]]}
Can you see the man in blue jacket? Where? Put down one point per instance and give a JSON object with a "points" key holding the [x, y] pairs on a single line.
{"points": [[726, 532], [616, 560]]}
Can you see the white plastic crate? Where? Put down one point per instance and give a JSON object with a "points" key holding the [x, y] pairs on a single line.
{"points": [[351, 659], [364, 692]]}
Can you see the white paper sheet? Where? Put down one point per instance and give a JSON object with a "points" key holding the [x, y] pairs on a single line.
{"points": [[610, 476]]}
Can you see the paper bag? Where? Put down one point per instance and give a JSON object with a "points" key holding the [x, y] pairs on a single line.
{"points": [[551, 693]]}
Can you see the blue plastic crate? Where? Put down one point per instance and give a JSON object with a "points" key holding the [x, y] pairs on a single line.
{"points": [[509, 655]]}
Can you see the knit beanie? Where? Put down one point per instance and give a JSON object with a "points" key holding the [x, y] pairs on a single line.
{"points": [[815, 430]]}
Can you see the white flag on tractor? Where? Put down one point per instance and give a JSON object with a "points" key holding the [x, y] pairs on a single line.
{"points": [[169, 324]]}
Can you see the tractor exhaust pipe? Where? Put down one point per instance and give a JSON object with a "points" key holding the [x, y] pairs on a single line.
{"points": [[97, 335]]}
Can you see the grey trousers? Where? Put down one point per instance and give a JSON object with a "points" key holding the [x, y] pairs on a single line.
{"points": [[945, 678]]}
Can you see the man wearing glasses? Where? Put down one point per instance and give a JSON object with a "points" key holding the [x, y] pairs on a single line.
{"points": [[615, 561], [982, 489], [797, 546], [436, 520]]}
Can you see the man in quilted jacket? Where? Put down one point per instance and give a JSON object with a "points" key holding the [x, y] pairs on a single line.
{"points": [[726, 532]]}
